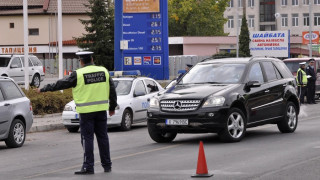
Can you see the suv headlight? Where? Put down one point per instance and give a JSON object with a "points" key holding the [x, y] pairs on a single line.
{"points": [[67, 108], [154, 103], [214, 101]]}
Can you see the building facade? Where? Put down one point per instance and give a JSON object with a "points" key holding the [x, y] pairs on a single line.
{"points": [[275, 15]]}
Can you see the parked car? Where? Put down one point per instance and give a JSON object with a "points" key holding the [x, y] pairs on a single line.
{"points": [[132, 98], [226, 96], [293, 65], [13, 66], [16, 115]]}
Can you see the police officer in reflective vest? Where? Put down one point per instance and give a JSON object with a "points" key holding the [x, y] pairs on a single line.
{"points": [[311, 86], [302, 81], [94, 93]]}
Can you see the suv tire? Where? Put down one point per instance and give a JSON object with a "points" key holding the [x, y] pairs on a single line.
{"points": [[36, 81], [235, 126], [290, 120], [16, 135], [126, 122], [160, 137]]}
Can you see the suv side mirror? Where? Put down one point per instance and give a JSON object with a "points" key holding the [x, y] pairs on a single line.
{"points": [[14, 66], [253, 84]]}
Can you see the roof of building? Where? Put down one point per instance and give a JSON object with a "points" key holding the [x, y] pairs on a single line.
{"points": [[15, 7]]}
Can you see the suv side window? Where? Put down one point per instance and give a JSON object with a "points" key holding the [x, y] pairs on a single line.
{"points": [[16, 61], [255, 73], [10, 90], [279, 76], [35, 61], [270, 72], [151, 86], [140, 89], [30, 64]]}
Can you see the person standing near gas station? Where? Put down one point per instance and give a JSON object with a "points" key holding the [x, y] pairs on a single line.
{"points": [[311, 86], [94, 93]]}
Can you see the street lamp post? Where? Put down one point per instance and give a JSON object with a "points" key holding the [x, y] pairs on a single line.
{"points": [[310, 28]]}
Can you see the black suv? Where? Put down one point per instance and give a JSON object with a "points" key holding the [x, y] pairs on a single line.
{"points": [[226, 96]]}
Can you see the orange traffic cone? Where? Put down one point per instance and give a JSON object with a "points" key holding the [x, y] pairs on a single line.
{"points": [[65, 72], [202, 170]]}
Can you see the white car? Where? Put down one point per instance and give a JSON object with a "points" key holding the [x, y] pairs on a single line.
{"points": [[132, 98], [13, 66]]}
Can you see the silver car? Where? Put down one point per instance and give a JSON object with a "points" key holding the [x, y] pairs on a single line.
{"points": [[16, 115], [13, 66]]}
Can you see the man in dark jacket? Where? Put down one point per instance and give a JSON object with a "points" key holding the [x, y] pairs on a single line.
{"points": [[311, 86], [94, 93]]}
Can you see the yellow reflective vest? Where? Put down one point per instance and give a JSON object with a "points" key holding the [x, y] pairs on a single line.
{"points": [[304, 77], [92, 91]]}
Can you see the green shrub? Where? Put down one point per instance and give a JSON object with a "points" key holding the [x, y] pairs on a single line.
{"points": [[48, 102]]}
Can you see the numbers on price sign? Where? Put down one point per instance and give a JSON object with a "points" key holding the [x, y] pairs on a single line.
{"points": [[156, 48], [155, 24], [156, 16], [156, 39], [155, 31]]}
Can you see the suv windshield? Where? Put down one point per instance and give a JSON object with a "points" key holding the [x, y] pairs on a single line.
{"points": [[214, 73], [123, 87], [4, 61]]}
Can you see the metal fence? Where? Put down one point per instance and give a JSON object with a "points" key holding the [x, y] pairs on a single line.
{"points": [[176, 63]]}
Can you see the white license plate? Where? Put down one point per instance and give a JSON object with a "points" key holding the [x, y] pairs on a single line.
{"points": [[77, 116], [176, 121]]}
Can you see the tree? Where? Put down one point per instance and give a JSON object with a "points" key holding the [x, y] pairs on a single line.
{"points": [[196, 17], [100, 32], [244, 38]]}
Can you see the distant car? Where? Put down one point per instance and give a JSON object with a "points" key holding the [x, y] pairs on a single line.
{"points": [[13, 66], [16, 115], [132, 98]]}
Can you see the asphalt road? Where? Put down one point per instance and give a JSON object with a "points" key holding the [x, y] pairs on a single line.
{"points": [[264, 153]]}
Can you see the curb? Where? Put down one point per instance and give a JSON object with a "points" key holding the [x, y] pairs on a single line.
{"points": [[49, 127]]}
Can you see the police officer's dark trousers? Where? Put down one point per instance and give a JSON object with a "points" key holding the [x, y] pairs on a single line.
{"points": [[311, 91], [90, 123], [301, 93]]}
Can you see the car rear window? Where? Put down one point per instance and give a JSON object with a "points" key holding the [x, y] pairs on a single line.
{"points": [[10, 90], [35, 61], [123, 87], [4, 61], [293, 66]]}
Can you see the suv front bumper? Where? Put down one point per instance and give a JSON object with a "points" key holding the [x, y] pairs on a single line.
{"points": [[199, 121]]}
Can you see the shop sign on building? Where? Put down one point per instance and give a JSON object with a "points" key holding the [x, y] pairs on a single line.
{"points": [[17, 50], [314, 37], [270, 43]]}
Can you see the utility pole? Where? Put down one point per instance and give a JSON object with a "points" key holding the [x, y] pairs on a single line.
{"points": [[26, 46], [310, 28], [60, 39]]}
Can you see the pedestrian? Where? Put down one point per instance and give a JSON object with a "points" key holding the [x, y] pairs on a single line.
{"points": [[311, 85], [302, 81], [187, 68], [94, 93]]}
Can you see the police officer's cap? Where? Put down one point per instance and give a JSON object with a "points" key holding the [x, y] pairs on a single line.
{"points": [[302, 63], [189, 65], [310, 60], [85, 55]]}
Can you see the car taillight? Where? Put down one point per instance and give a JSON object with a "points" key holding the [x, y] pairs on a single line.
{"points": [[30, 106]]}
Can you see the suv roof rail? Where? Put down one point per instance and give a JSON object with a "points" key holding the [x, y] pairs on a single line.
{"points": [[214, 57]]}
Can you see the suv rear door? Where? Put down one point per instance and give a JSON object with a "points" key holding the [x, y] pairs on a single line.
{"points": [[5, 116], [15, 70]]}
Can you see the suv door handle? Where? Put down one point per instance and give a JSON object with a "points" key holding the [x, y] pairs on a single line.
{"points": [[266, 91], [7, 104]]}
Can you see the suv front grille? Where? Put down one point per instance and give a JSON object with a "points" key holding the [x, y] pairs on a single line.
{"points": [[179, 105]]}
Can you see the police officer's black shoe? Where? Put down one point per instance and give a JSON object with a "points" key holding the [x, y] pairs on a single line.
{"points": [[83, 172], [107, 170]]}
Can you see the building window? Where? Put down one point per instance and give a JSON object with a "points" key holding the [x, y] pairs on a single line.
{"points": [[295, 2], [239, 21], [230, 22], [305, 2], [11, 25], [284, 20], [250, 3], [284, 2], [230, 3], [295, 20], [251, 22], [317, 19], [306, 19], [34, 32], [240, 3], [316, 1]]}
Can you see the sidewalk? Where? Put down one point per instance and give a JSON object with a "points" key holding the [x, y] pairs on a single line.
{"points": [[47, 122]]}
